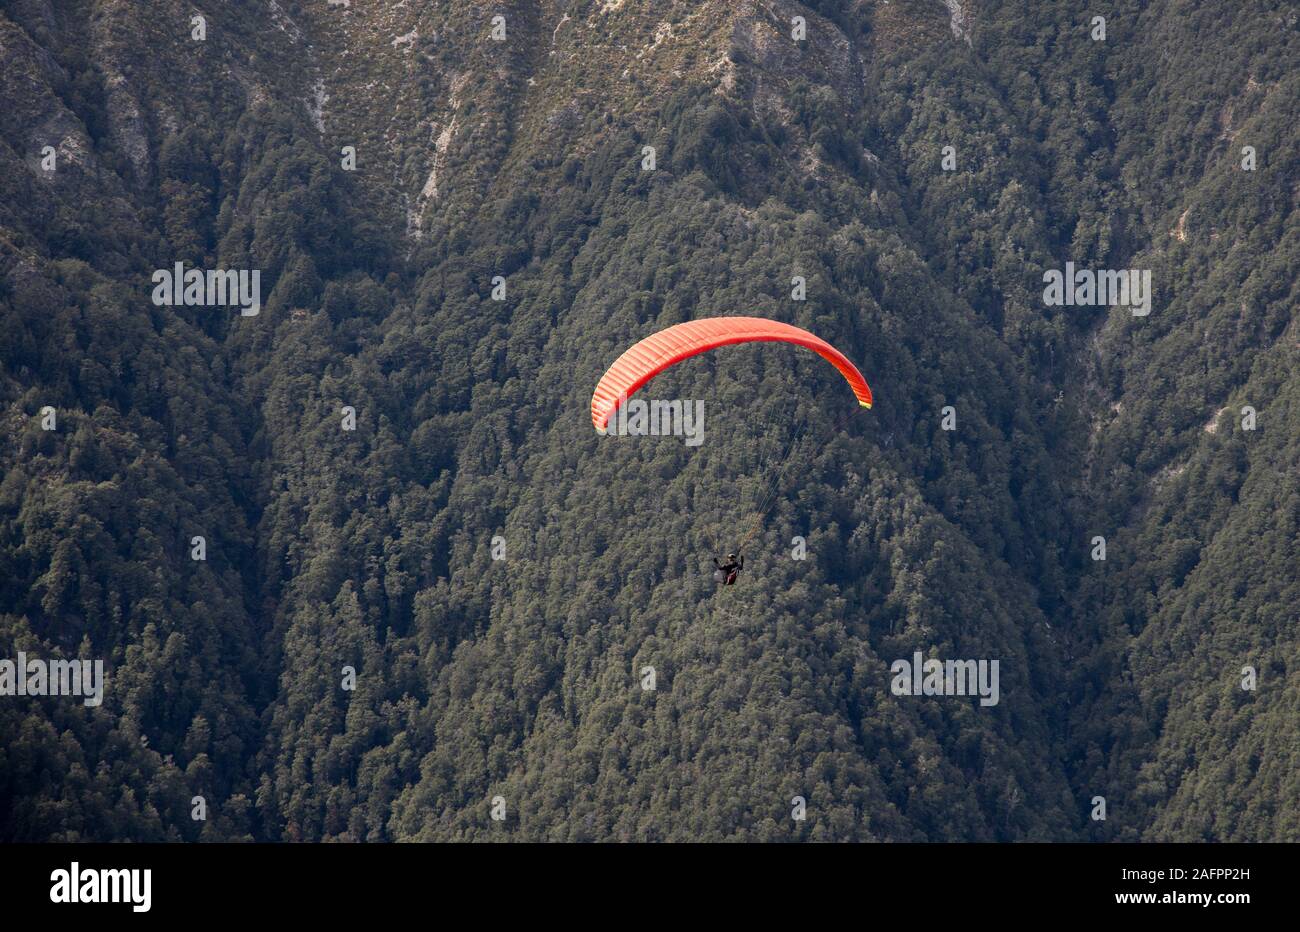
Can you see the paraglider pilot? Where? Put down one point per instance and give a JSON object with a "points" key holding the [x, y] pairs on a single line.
{"points": [[727, 572]]}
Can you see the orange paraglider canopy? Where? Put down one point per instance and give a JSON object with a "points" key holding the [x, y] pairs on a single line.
{"points": [[657, 352]]}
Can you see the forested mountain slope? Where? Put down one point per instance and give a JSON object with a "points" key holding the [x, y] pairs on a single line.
{"points": [[524, 157]]}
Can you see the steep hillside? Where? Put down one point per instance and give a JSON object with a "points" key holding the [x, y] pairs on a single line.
{"points": [[515, 153]]}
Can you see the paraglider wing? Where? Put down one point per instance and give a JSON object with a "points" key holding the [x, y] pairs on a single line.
{"points": [[657, 352]]}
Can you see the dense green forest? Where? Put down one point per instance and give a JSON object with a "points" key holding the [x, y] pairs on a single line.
{"points": [[385, 165]]}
